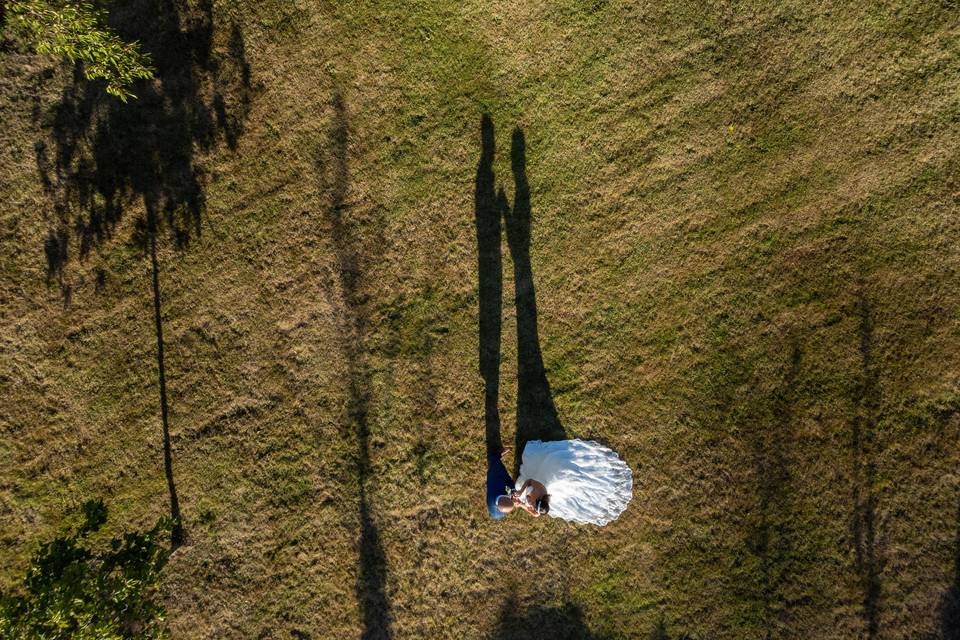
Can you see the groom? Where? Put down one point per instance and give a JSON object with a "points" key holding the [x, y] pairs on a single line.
{"points": [[499, 486]]}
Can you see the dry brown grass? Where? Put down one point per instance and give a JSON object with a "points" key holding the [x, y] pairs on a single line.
{"points": [[745, 248]]}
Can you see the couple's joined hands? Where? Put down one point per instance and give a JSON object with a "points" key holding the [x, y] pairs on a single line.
{"points": [[521, 498]]}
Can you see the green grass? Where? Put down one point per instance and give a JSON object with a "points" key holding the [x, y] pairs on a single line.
{"points": [[718, 192]]}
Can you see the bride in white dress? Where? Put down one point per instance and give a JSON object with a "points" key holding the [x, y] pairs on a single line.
{"points": [[577, 480]]}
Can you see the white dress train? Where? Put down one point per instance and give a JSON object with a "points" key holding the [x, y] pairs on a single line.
{"points": [[586, 481]]}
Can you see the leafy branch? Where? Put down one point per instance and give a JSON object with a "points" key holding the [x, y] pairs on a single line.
{"points": [[77, 589], [72, 31]]}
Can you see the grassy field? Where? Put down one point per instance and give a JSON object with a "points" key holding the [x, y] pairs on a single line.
{"points": [[745, 245]]}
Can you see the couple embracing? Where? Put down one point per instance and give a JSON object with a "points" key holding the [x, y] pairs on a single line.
{"points": [[577, 480]]}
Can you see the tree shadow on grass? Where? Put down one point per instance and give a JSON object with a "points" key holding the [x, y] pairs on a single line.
{"points": [[372, 579], [866, 538], [108, 155], [543, 623], [771, 531], [950, 605]]}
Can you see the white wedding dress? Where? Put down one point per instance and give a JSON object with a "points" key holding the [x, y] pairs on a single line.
{"points": [[586, 481]]}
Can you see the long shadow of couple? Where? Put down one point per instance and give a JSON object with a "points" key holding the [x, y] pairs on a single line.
{"points": [[536, 413]]}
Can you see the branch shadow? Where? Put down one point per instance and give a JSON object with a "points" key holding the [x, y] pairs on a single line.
{"points": [[106, 155], [372, 579]]}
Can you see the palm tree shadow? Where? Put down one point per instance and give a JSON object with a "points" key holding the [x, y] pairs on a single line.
{"points": [[536, 413]]}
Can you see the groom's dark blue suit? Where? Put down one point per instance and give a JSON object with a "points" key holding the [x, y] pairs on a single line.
{"points": [[499, 483]]}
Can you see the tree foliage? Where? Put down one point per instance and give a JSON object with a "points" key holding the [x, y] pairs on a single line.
{"points": [[73, 30], [77, 589]]}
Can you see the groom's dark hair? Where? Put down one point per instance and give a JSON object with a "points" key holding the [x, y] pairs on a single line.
{"points": [[543, 505]]}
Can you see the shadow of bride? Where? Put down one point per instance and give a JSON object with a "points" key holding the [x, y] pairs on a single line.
{"points": [[536, 413]]}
